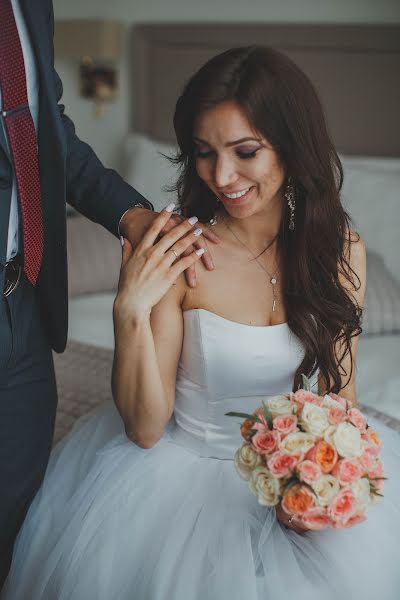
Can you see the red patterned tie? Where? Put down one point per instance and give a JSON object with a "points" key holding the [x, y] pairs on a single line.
{"points": [[22, 140]]}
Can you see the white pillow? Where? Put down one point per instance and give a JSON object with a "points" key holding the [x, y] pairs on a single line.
{"points": [[372, 198], [370, 162], [147, 170]]}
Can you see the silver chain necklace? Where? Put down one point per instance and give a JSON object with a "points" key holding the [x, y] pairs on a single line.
{"points": [[273, 278]]}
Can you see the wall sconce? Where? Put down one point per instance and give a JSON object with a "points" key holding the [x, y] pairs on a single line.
{"points": [[98, 45]]}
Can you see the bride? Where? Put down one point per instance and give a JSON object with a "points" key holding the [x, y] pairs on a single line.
{"points": [[142, 501]]}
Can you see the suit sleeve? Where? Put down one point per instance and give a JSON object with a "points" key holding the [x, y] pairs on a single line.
{"points": [[95, 191]]}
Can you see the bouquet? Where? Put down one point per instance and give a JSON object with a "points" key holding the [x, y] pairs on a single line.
{"points": [[316, 455]]}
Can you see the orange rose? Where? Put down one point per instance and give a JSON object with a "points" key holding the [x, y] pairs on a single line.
{"points": [[324, 455], [297, 500], [245, 429]]}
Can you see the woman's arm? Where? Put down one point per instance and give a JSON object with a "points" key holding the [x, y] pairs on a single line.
{"points": [[356, 255], [148, 328]]}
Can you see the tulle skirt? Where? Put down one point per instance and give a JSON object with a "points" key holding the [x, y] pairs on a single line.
{"points": [[114, 521]]}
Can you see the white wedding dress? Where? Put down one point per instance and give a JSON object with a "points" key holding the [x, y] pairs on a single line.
{"points": [[113, 521]]}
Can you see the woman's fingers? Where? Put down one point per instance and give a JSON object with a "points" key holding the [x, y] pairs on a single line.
{"points": [[177, 233], [156, 227], [211, 236], [183, 247], [184, 263]]}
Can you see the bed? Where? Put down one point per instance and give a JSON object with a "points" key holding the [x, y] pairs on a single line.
{"points": [[356, 71]]}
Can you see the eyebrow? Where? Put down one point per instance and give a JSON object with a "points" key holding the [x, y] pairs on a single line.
{"points": [[228, 144]]}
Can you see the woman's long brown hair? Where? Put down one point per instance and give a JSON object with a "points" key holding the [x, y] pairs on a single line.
{"points": [[281, 103]]}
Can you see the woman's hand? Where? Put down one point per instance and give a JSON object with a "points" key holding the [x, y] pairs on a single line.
{"points": [[283, 518], [150, 270], [137, 221]]}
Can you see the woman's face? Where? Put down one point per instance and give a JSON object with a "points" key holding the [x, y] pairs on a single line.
{"points": [[236, 162]]}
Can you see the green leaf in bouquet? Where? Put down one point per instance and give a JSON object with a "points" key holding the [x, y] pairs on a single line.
{"points": [[290, 483], [267, 414], [306, 383], [244, 416]]}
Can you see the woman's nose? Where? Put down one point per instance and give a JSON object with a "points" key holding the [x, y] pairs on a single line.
{"points": [[224, 172]]}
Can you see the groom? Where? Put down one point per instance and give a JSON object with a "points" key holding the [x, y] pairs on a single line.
{"points": [[42, 164]]}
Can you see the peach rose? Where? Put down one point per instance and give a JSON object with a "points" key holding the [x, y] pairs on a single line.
{"points": [[336, 415], [308, 471], [377, 469], [329, 402], [339, 399], [368, 458], [347, 470], [343, 506], [297, 500], [266, 442], [324, 455], [357, 517], [357, 418], [281, 465], [316, 518], [371, 438], [260, 426], [285, 424], [302, 396]]}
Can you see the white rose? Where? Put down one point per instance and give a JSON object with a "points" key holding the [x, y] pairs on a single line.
{"points": [[246, 460], [326, 487], [314, 419], [328, 435], [297, 442], [265, 487], [347, 440], [362, 491], [280, 405]]}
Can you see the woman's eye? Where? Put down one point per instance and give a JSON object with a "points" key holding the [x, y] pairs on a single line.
{"points": [[203, 153], [246, 154]]}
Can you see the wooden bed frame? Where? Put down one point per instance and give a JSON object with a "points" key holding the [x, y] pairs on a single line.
{"points": [[355, 68]]}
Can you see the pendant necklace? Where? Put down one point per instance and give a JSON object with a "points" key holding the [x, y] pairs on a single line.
{"points": [[272, 276]]}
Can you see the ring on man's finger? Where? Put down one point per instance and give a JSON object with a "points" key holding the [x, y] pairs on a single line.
{"points": [[177, 255]]}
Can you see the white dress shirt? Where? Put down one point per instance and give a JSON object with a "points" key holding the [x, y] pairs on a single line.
{"points": [[33, 99]]}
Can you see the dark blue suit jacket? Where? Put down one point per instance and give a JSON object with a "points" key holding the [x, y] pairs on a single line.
{"points": [[69, 170]]}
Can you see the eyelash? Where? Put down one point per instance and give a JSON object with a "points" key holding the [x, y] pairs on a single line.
{"points": [[243, 155]]}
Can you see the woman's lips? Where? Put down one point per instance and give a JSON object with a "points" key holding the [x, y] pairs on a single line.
{"points": [[239, 200]]}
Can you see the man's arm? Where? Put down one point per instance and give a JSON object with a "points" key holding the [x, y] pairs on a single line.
{"points": [[95, 191]]}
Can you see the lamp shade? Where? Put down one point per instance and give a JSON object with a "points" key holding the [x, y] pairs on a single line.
{"points": [[99, 39]]}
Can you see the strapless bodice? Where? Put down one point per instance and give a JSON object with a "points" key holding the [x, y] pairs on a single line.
{"points": [[227, 366]]}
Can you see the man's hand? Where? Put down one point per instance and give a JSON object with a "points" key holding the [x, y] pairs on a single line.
{"points": [[138, 220]]}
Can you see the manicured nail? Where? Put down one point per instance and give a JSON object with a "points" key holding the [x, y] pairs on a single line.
{"points": [[200, 252], [193, 220], [121, 240], [197, 232], [170, 207]]}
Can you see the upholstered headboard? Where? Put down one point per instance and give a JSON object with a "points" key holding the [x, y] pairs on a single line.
{"points": [[356, 69]]}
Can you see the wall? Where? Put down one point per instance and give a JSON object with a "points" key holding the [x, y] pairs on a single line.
{"points": [[106, 135]]}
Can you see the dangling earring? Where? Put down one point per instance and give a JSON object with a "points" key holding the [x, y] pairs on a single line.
{"points": [[291, 200], [214, 220]]}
